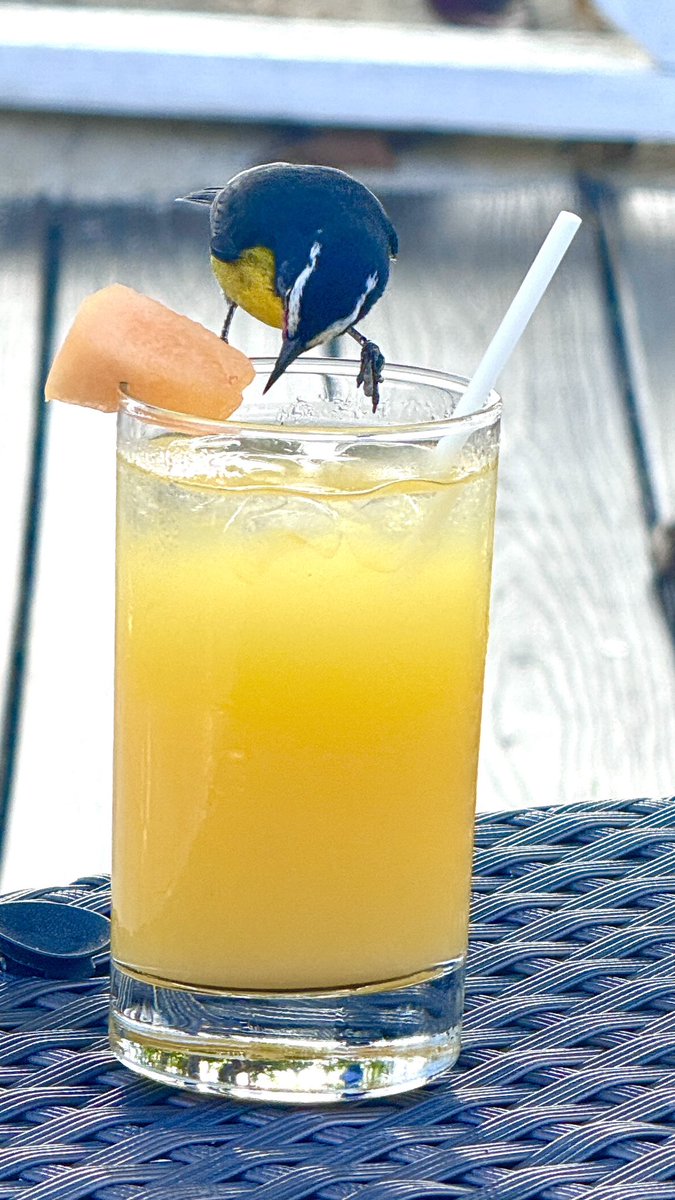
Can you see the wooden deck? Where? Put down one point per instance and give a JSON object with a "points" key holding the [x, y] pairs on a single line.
{"points": [[580, 699]]}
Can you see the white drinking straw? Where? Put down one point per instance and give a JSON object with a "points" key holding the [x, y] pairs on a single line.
{"points": [[513, 325]]}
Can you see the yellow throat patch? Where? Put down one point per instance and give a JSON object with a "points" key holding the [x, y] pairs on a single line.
{"points": [[249, 282]]}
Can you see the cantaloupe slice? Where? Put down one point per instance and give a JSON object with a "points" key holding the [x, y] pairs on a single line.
{"points": [[120, 338]]}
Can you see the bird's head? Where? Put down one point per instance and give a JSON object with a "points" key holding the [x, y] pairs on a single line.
{"points": [[324, 290]]}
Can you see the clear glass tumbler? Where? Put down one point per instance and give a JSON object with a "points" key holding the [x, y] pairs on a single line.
{"points": [[302, 616]]}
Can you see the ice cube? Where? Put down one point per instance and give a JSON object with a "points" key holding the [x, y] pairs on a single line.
{"points": [[334, 402], [271, 526], [382, 533]]}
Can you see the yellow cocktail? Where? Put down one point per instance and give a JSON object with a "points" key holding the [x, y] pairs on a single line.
{"points": [[301, 635]]}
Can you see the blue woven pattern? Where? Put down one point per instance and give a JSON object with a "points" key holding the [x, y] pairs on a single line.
{"points": [[565, 1088]]}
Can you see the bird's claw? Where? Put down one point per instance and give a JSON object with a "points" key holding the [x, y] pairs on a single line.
{"points": [[370, 373], [225, 331]]}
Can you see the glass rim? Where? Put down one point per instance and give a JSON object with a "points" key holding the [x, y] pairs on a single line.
{"points": [[430, 377]]}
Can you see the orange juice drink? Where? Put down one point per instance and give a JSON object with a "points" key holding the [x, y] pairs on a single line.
{"points": [[301, 636]]}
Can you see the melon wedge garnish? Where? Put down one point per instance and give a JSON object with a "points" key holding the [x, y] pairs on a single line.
{"points": [[122, 340]]}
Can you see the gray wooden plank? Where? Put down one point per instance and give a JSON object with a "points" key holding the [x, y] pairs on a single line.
{"points": [[60, 816], [21, 278], [200, 66], [91, 160], [579, 669], [639, 220], [580, 694]]}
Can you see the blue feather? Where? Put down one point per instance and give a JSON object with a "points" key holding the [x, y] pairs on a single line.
{"points": [[287, 208]]}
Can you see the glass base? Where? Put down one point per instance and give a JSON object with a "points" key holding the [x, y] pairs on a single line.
{"points": [[298, 1047]]}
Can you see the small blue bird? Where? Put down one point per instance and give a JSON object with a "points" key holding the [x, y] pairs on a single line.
{"points": [[305, 249]]}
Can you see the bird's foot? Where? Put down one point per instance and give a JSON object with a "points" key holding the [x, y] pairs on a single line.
{"points": [[225, 331], [370, 373]]}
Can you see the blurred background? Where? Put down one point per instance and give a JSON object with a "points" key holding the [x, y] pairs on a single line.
{"points": [[475, 121]]}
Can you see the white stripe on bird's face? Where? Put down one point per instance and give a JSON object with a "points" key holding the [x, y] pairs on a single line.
{"points": [[343, 324], [295, 294]]}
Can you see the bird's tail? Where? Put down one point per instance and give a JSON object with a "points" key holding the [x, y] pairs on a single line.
{"points": [[205, 196]]}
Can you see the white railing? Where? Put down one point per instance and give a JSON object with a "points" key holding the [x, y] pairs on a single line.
{"points": [[205, 66]]}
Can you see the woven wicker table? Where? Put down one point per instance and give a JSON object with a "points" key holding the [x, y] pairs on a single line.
{"points": [[565, 1089]]}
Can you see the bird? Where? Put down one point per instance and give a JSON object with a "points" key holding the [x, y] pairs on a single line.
{"points": [[306, 249]]}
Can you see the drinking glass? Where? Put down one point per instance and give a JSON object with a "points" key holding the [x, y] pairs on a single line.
{"points": [[302, 616]]}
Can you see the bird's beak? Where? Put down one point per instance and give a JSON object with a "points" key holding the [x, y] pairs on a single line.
{"points": [[290, 349], [206, 196]]}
